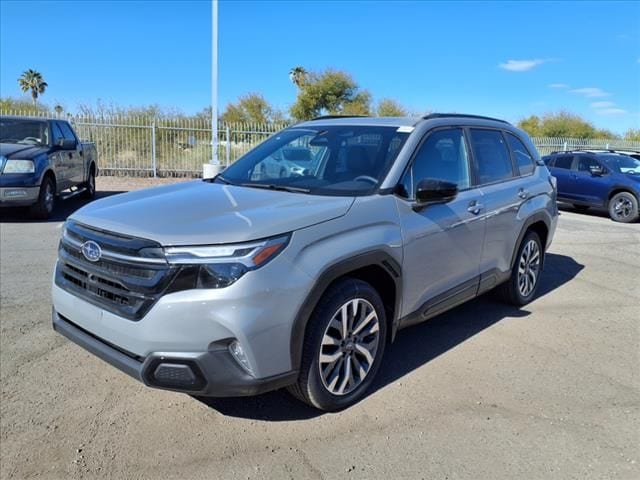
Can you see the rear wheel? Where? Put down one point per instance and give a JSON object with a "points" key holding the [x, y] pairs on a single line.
{"points": [[43, 208], [623, 207], [343, 347], [522, 285]]}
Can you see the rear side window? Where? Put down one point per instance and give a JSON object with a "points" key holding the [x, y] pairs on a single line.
{"points": [[564, 161], [492, 156], [523, 158]]}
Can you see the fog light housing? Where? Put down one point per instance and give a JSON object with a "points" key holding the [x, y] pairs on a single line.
{"points": [[16, 193], [239, 355]]}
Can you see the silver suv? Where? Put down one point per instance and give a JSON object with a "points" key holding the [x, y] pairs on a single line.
{"points": [[251, 282]]}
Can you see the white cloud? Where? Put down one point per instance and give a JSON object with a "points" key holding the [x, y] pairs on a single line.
{"points": [[558, 85], [611, 111], [521, 65], [591, 92], [602, 105]]}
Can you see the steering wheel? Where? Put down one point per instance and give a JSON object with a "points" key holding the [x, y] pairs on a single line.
{"points": [[367, 178]]}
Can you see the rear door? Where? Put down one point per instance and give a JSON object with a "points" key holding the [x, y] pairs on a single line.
{"points": [[585, 187], [73, 158], [442, 243], [560, 167], [499, 158]]}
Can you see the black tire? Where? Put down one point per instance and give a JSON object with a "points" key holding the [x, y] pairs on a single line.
{"points": [[90, 185], [513, 291], [43, 208], [623, 207], [311, 387], [581, 208]]}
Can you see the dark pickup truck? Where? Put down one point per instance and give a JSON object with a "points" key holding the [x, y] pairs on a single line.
{"points": [[42, 160]]}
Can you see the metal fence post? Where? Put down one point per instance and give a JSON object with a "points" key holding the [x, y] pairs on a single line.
{"points": [[153, 149], [228, 149]]}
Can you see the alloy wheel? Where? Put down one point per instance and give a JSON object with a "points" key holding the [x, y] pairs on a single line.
{"points": [[528, 268], [622, 208], [349, 346]]}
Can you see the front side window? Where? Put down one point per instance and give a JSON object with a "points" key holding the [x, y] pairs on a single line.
{"points": [[443, 156], [585, 164], [523, 158], [66, 131], [491, 155], [325, 160]]}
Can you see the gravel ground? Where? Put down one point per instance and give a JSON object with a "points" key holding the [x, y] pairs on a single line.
{"points": [[484, 391]]}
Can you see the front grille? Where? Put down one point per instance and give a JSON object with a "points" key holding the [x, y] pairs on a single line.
{"points": [[120, 281]]}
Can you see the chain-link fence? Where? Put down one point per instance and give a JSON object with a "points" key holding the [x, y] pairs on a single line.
{"points": [[143, 146]]}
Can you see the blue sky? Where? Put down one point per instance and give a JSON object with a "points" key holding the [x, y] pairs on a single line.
{"points": [[495, 58]]}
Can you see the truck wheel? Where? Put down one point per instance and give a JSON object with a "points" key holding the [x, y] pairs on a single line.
{"points": [[343, 346], [623, 207], [43, 208], [90, 185], [525, 275]]}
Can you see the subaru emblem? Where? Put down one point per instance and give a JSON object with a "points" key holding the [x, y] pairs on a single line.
{"points": [[91, 251]]}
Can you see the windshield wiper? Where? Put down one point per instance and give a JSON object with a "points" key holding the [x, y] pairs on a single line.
{"points": [[271, 186]]}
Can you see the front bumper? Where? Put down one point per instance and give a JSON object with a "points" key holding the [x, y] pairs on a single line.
{"points": [[212, 373], [18, 196]]}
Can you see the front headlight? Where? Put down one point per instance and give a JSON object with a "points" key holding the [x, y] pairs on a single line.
{"points": [[19, 166], [219, 266]]}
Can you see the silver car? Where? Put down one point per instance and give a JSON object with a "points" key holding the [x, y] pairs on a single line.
{"points": [[246, 283]]}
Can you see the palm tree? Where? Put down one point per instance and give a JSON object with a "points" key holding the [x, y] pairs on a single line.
{"points": [[32, 80], [297, 75]]}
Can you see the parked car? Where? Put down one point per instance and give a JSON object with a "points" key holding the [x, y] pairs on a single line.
{"points": [[42, 160], [286, 162], [236, 286], [598, 179]]}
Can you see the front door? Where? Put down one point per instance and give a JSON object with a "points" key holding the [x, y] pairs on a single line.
{"points": [[72, 157], [442, 243], [586, 187]]}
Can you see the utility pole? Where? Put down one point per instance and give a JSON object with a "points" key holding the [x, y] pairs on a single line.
{"points": [[211, 169]]}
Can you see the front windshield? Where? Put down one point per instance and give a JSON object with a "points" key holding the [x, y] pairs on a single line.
{"points": [[333, 160], [622, 164], [25, 132]]}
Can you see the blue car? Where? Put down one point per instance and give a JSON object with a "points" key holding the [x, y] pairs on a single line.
{"points": [[598, 179]]}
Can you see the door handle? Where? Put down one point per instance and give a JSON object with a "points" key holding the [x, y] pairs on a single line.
{"points": [[522, 193], [70, 155], [474, 207]]}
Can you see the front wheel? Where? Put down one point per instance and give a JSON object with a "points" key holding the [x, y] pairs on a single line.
{"points": [[90, 185], [525, 275], [43, 208], [623, 207], [343, 346]]}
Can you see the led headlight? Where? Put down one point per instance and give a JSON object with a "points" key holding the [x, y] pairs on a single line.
{"points": [[19, 166], [218, 266]]}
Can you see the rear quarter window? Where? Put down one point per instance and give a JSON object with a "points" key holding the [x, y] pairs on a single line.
{"points": [[524, 160]]}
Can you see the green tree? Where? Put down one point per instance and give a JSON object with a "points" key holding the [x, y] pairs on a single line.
{"points": [[331, 92], [250, 108], [9, 104], [387, 107], [297, 75], [632, 134], [562, 124], [32, 80]]}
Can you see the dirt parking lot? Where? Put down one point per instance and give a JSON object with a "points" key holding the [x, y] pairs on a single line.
{"points": [[482, 392]]}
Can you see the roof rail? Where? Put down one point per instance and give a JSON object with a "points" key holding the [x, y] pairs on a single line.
{"points": [[327, 117], [588, 150], [461, 115]]}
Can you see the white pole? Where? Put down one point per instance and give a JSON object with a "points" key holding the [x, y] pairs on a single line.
{"points": [[213, 168]]}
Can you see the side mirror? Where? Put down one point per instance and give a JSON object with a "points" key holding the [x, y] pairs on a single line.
{"points": [[66, 144], [431, 191], [596, 170]]}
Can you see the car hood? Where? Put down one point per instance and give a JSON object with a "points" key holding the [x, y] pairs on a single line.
{"points": [[202, 213], [14, 150]]}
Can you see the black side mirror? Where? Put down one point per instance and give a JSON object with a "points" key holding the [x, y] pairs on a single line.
{"points": [[431, 191], [596, 170], [66, 144]]}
